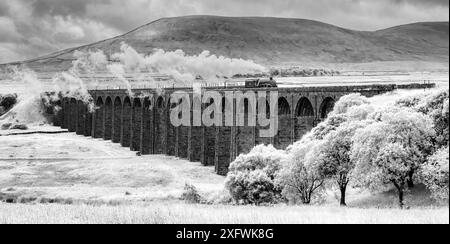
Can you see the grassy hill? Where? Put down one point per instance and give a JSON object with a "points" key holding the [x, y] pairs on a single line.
{"points": [[274, 41]]}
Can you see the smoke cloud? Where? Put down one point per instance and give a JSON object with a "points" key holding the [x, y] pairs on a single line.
{"points": [[129, 69], [185, 68]]}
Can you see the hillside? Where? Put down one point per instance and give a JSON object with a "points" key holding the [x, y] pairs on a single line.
{"points": [[274, 41]]}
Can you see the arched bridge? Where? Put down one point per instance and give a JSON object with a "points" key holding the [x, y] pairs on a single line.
{"points": [[142, 121]]}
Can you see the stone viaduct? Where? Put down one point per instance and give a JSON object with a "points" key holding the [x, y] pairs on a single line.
{"points": [[141, 122]]}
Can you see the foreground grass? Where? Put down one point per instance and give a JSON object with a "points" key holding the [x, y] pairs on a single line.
{"points": [[179, 213], [99, 182], [67, 166]]}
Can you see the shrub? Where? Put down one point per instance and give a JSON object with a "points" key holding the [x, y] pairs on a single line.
{"points": [[19, 127], [435, 174], [191, 195], [222, 197], [8, 101], [251, 176], [409, 102], [299, 71], [6, 126]]}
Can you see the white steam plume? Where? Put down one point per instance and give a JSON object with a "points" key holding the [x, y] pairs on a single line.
{"points": [[86, 68], [28, 108], [119, 72], [186, 68]]}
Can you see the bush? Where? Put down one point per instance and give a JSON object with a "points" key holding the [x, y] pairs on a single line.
{"points": [[6, 126], [408, 102], [222, 197], [191, 195], [8, 101], [435, 174], [302, 72], [19, 127], [251, 176]]}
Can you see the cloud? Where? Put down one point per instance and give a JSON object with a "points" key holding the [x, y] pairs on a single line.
{"points": [[7, 53], [67, 30], [8, 30], [442, 3], [28, 31], [59, 7], [31, 28]]}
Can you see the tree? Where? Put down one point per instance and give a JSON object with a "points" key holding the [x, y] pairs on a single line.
{"points": [[392, 149], [251, 177], [335, 156], [324, 128], [353, 107], [435, 174], [348, 101], [435, 105], [299, 176]]}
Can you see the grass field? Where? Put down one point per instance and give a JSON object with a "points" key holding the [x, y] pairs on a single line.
{"points": [[65, 178], [81, 169], [177, 213]]}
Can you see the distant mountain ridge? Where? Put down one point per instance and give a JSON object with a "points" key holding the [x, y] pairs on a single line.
{"points": [[273, 41]]}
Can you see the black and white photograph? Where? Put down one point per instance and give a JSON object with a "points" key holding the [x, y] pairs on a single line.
{"points": [[224, 113]]}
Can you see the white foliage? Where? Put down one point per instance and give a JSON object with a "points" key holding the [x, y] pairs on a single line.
{"points": [[388, 149], [435, 174], [348, 101], [251, 177], [300, 176]]}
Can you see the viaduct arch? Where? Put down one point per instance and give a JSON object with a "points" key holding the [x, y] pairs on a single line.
{"points": [[81, 124], [126, 123], [108, 120], [142, 122], [147, 127], [99, 117], [326, 107], [305, 117], [284, 135], [117, 120], [136, 128], [159, 126]]}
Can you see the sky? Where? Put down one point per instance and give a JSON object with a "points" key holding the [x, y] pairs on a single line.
{"points": [[31, 28]]}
